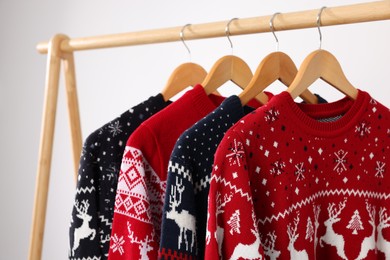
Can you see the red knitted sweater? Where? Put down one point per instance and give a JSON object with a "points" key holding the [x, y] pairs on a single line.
{"points": [[142, 179], [299, 181]]}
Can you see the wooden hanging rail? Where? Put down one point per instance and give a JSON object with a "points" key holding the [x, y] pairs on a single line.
{"points": [[60, 50], [357, 13]]}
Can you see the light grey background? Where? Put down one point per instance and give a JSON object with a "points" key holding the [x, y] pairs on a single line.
{"points": [[113, 80]]}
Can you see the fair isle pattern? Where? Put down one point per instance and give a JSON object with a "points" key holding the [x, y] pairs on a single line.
{"points": [[98, 178], [317, 190], [189, 175], [138, 187], [180, 170], [326, 194]]}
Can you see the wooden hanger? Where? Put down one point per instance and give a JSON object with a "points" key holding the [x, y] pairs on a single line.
{"points": [[321, 64], [275, 66], [324, 65], [227, 68], [186, 75]]}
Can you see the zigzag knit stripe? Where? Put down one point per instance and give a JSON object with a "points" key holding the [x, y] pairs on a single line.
{"points": [[180, 170], [231, 186], [88, 258], [85, 190], [326, 193], [105, 221], [202, 184]]}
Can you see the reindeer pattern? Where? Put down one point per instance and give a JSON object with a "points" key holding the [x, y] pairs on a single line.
{"points": [[144, 245], [84, 231], [327, 236], [183, 219]]}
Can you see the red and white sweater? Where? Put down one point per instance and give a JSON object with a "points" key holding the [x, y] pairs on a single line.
{"points": [[301, 181], [142, 179]]}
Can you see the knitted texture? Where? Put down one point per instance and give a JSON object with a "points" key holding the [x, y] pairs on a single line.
{"points": [[287, 184], [189, 173], [101, 156], [142, 180]]}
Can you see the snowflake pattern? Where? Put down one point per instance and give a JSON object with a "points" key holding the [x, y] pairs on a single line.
{"points": [[380, 169], [117, 244], [112, 172], [277, 167], [236, 153], [300, 171], [362, 129], [115, 128], [340, 161], [271, 115]]}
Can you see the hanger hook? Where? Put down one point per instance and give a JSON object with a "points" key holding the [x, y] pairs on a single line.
{"points": [[182, 38], [271, 26], [227, 32], [319, 24]]}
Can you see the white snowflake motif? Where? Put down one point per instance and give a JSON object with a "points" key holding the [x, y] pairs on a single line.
{"points": [[380, 169], [237, 152], [271, 115], [340, 161], [362, 129], [300, 171], [115, 128], [277, 167], [113, 172], [117, 244]]}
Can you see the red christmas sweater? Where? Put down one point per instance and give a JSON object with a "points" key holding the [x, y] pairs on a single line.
{"points": [[142, 179], [300, 181]]}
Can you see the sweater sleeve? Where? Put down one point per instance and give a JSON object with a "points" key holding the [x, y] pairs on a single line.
{"points": [[139, 199], [178, 235], [231, 229], [83, 232]]}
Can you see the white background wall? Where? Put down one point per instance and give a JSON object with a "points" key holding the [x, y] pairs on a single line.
{"points": [[113, 80]]}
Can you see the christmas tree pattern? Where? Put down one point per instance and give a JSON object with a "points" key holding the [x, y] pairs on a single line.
{"points": [[355, 223], [309, 230], [234, 222]]}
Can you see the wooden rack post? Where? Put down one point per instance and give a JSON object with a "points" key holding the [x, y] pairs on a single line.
{"points": [[61, 48]]}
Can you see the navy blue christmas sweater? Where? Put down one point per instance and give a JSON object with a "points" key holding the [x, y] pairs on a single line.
{"points": [[185, 208], [100, 161]]}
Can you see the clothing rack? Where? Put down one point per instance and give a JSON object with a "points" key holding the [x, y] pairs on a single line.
{"points": [[60, 49]]}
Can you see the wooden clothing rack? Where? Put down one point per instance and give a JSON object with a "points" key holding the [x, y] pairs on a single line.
{"points": [[60, 50]]}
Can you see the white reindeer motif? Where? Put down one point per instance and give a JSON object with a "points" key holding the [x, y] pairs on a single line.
{"points": [[220, 209], [84, 230], [293, 236], [269, 246], [250, 251], [184, 220], [331, 237], [144, 245], [384, 222], [316, 210], [368, 242]]}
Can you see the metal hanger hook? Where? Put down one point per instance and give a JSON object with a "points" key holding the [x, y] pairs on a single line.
{"points": [[319, 24], [271, 26], [182, 38], [227, 32]]}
